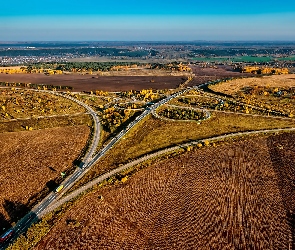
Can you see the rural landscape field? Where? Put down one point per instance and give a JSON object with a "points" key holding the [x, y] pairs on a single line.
{"points": [[138, 150], [221, 198]]}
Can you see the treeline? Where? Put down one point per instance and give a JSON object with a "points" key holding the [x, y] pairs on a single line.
{"points": [[146, 95], [113, 118], [102, 66], [168, 66], [82, 66]]}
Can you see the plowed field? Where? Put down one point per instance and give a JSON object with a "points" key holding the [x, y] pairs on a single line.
{"points": [[105, 83], [122, 83], [203, 75], [29, 161], [236, 196]]}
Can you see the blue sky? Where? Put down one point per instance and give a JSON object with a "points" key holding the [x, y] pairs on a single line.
{"points": [[35, 20]]}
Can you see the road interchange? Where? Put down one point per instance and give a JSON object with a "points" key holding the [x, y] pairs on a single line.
{"points": [[89, 160]]}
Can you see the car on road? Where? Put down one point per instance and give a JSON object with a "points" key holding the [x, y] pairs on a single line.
{"points": [[7, 235]]}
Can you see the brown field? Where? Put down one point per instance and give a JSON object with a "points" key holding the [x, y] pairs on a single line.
{"points": [[20, 104], [45, 122], [29, 161], [203, 75], [92, 82], [237, 196], [121, 83], [234, 86]]}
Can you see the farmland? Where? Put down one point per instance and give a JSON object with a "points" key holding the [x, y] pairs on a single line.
{"points": [[154, 134], [215, 198], [31, 165], [156, 79], [233, 86], [105, 83], [21, 104], [249, 59]]}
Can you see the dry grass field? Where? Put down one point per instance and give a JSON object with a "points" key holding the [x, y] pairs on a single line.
{"points": [[26, 109], [233, 86], [154, 134], [31, 161], [45, 122], [20, 104], [237, 196], [275, 92]]}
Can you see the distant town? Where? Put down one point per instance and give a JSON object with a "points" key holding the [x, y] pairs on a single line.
{"points": [[206, 54]]}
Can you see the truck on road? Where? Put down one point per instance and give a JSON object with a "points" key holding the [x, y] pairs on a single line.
{"points": [[59, 188]]}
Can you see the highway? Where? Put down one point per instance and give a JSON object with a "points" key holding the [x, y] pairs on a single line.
{"points": [[32, 216], [88, 161], [155, 155]]}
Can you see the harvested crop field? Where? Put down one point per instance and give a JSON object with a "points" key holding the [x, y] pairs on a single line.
{"points": [[30, 162], [122, 83], [231, 87], [235, 196], [203, 75], [94, 82]]}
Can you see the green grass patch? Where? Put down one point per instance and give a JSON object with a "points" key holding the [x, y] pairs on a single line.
{"points": [[289, 58]]}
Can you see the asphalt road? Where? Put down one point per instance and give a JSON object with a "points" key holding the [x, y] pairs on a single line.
{"points": [[88, 162], [32, 216], [151, 156]]}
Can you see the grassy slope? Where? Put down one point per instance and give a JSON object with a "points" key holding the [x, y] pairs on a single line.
{"points": [[153, 134]]}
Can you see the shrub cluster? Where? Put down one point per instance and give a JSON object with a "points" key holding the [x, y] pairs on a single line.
{"points": [[182, 114]]}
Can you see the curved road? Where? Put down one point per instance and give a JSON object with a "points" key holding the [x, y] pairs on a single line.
{"points": [[148, 157], [88, 162], [32, 216]]}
